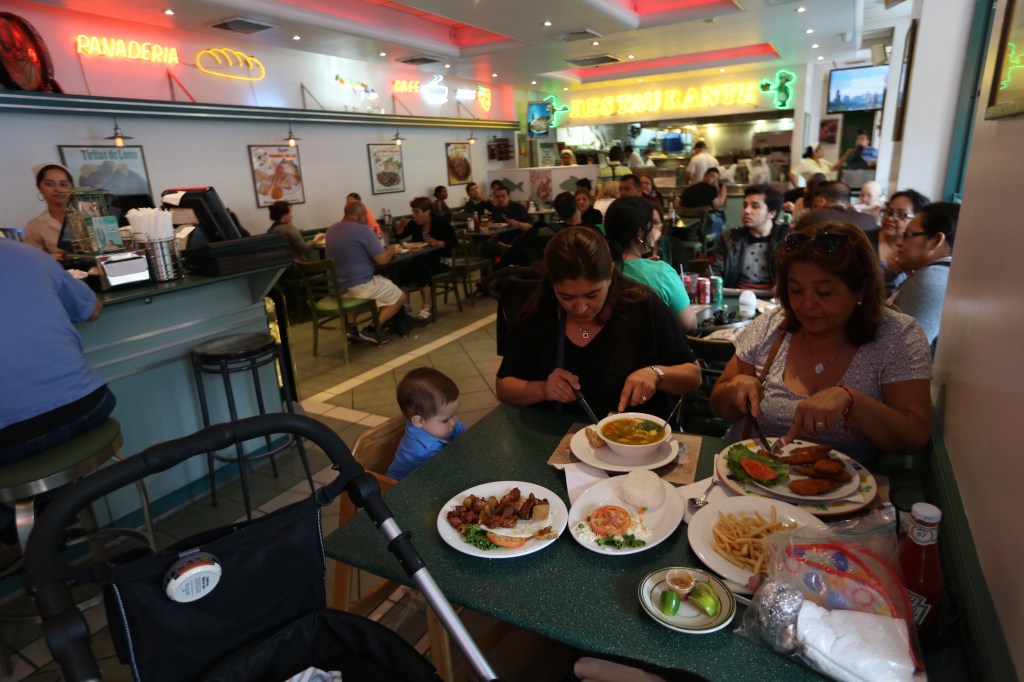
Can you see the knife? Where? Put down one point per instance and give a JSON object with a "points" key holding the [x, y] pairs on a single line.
{"points": [[760, 432], [586, 408]]}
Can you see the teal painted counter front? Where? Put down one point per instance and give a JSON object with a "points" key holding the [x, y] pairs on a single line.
{"points": [[141, 344]]}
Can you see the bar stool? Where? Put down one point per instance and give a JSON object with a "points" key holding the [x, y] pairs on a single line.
{"points": [[236, 354]]}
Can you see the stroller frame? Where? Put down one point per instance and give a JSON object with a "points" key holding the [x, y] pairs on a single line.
{"points": [[65, 627]]}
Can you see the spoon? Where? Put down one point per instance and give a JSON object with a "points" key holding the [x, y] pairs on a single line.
{"points": [[702, 501]]}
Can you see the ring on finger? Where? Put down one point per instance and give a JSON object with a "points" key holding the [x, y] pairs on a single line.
{"points": [[643, 398]]}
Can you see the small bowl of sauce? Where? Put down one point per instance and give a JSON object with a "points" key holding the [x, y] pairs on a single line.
{"points": [[680, 581]]}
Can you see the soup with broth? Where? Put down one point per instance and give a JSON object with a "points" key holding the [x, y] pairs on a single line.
{"points": [[633, 431]]}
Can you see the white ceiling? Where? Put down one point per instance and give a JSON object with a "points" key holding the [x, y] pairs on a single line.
{"points": [[359, 30]]}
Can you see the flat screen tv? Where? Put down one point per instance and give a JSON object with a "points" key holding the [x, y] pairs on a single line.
{"points": [[858, 89], [213, 222]]}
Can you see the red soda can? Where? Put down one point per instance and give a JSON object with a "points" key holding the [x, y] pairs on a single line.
{"points": [[704, 290]]}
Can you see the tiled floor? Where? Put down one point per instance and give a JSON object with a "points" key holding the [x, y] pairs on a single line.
{"points": [[349, 398]]}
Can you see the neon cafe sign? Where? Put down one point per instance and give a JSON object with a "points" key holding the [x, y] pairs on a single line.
{"points": [[119, 48], [436, 93], [676, 99]]}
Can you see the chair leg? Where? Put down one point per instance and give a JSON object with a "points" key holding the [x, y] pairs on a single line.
{"points": [[375, 316], [455, 290]]}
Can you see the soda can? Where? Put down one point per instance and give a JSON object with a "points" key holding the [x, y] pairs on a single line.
{"points": [[716, 290], [704, 290]]}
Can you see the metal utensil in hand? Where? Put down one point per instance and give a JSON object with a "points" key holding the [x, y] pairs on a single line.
{"points": [[586, 408], [768, 447]]}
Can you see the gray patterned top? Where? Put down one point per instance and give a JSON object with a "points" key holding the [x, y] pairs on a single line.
{"points": [[899, 353]]}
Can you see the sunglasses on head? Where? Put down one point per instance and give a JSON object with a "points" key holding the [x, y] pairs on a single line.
{"points": [[823, 242]]}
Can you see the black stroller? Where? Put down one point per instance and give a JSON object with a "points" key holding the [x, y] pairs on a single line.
{"points": [[239, 603]]}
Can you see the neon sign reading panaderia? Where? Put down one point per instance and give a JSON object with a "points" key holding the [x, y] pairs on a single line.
{"points": [[119, 48], [675, 99]]}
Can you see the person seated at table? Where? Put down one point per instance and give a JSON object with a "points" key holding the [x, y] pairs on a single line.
{"points": [[709, 193], [745, 256], [831, 201], [589, 329], [356, 252], [609, 193], [589, 215], [433, 230], [527, 249], [670, 249], [429, 400], [648, 190], [633, 238], [800, 201], [281, 214], [371, 221], [896, 216], [833, 363], [440, 206], [475, 201], [509, 212], [926, 250], [629, 186]]}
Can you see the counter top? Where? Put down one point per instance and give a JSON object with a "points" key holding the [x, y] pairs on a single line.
{"points": [[144, 290]]}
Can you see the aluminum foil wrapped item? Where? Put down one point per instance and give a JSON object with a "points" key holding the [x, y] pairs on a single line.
{"points": [[777, 605]]}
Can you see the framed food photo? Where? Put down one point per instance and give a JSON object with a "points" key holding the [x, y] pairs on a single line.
{"points": [[386, 172], [1006, 95], [276, 174], [827, 130], [118, 170], [460, 164]]}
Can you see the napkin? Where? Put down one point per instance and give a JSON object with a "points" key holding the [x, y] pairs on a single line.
{"points": [[579, 477], [852, 646]]}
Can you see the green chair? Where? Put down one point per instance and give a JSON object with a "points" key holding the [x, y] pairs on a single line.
{"points": [[695, 223], [712, 356], [466, 262], [444, 282], [326, 302]]}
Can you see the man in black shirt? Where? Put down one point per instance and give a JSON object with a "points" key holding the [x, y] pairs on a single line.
{"points": [[745, 256], [710, 193]]}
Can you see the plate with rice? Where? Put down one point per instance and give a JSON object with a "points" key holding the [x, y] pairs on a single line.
{"points": [[626, 514]]}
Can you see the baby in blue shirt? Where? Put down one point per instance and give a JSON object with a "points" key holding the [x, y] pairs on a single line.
{"points": [[430, 401]]}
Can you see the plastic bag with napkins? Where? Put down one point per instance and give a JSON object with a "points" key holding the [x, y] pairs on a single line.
{"points": [[833, 599]]}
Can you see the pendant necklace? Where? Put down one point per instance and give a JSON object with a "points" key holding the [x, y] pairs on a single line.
{"points": [[820, 365], [584, 333]]}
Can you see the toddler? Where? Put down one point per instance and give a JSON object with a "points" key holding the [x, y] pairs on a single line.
{"points": [[430, 401]]}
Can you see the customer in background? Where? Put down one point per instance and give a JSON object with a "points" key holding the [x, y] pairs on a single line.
{"points": [[567, 157], [609, 193], [709, 193], [527, 249], [590, 329], [700, 162], [632, 158], [432, 230], [745, 256], [648, 190], [629, 186], [926, 251], [615, 168], [476, 203], [831, 202], [813, 161], [356, 252], [589, 215], [861, 157], [54, 183], [633, 239], [440, 206], [896, 217], [429, 400], [870, 200], [371, 221], [510, 212], [281, 214], [833, 364]]}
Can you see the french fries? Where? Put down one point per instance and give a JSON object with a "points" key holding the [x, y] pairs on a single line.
{"points": [[740, 540]]}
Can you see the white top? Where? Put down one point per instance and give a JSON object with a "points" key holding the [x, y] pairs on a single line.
{"points": [[699, 165]]}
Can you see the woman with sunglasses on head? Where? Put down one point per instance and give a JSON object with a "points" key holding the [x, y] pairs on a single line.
{"points": [[926, 251], [588, 329], [896, 216], [633, 238], [833, 364]]}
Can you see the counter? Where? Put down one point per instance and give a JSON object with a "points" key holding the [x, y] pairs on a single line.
{"points": [[141, 344]]}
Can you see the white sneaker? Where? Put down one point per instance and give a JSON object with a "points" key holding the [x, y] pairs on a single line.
{"points": [[424, 314]]}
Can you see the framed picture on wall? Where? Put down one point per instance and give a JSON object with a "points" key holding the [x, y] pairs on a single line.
{"points": [[828, 129], [904, 89], [1006, 94], [460, 165], [386, 172], [118, 170], [276, 174]]}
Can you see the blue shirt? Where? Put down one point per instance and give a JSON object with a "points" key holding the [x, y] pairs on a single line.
{"points": [[42, 366], [352, 246], [417, 447]]}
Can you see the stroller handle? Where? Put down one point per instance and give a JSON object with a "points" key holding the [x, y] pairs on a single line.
{"points": [[67, 632]]}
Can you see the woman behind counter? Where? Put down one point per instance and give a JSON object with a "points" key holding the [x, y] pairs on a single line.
{"points": [[837, 365], [55, 183], [590, 329], [281, 214]]}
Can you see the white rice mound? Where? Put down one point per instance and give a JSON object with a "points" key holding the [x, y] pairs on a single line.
{"points": [[643, 489]]}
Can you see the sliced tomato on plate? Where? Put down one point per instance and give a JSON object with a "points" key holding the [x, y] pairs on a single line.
{"points": [[610, 520], [759, 471], [506, 541]]}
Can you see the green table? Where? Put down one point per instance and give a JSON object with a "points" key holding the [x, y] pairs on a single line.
{"points": [[564, 591]]}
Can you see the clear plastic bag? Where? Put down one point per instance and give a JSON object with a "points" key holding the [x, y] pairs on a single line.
{"points": [[833, 599]]}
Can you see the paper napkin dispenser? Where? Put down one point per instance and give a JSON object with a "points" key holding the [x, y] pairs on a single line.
{"points": [[126, 267]]}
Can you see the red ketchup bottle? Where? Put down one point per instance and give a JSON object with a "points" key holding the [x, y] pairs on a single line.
{"points": [[922, 573]]}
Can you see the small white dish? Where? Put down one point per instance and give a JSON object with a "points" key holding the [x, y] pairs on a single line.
{"points": [[690, 618], [609, 461]]}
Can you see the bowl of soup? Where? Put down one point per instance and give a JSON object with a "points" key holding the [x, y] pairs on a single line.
{"points": [[633, 434]]}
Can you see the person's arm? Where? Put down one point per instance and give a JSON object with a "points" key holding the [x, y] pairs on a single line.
{"points": [[719, 201], [735, 389], [642, 384], [385, 256], [558, 387], [687, 319], [97, 309]]}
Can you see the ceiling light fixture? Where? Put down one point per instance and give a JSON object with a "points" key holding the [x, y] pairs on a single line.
{"points": [[629, 57], [118, 137], [383, 54], [472, 138], [595, 43], [533, 82], [291, 139], [820, 58], [169, 12], [494, 75], [809, 31], [815, 46], [296, 37], [398, 139], [447, 66], [801, 10], [547, 23]]}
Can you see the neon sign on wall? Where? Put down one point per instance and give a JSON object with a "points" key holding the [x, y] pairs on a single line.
{"points": [[118, 48], [673, 99], [225, 62], [436, 93]]}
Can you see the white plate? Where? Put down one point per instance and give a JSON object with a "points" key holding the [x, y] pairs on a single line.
{"points": [[556, 518], [701, 536], [609, 461], [690, 618], [782, 490], [662, 521]]}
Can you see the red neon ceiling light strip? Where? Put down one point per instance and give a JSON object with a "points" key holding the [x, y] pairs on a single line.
{"points": [[645, 7], [676, 61]]}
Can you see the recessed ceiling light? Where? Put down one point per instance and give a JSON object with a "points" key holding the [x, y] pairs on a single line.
{"points": [[565, 89], [547, 23], [447, 66], [494, 75], [629, 57], [809, 31], [815, 46], [383, 54], [722, 70], [169, 12], [533, 82], [639, 80], [820, 57], [800, 10], [296, 37], [595, 43]]}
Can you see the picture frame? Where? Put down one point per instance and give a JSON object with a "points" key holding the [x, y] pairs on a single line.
{"points": [[276, 174], [1006, 92], [828, 130], [387, 172], [459, 162], [118, 170], [904, 88]]}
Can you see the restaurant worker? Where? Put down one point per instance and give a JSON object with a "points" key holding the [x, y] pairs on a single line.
{"points": [[50, 393], [55, 183], [837, 365], [430, 401], [590, 329]]}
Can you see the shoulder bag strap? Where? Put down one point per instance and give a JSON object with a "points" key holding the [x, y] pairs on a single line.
{"points": [[764, 374]]}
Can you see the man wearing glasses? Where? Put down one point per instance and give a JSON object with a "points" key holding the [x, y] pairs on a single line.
{"points": [[745, 256]]}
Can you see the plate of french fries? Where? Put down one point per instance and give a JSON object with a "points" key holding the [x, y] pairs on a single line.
{"points": [[728, 535]]}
